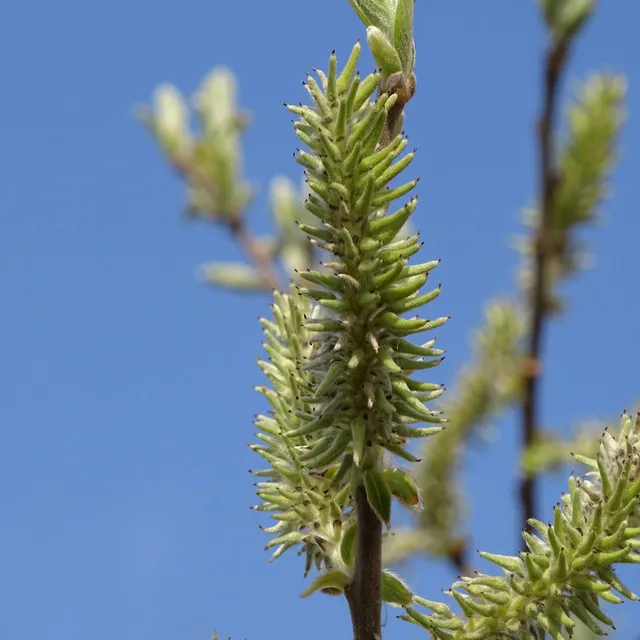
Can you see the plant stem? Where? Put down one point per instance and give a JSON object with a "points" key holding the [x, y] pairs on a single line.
{"points": [[236, 224], [256, 252], [459, 557], [556, 58], [364, 593]]}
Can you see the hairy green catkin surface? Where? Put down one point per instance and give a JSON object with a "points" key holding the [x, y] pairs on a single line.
{"points": [[340, 361], [567, 572]]}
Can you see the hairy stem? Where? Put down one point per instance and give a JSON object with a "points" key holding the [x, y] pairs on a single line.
{"points": [[555, 63], [364, 593]]}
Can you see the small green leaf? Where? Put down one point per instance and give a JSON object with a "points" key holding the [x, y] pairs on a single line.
{"points": [[232, 275], [573, 16], [348, 545], [169, 121], [384, 54], [394, 591], [359, 435], [402, 487], [332, 583], [378, 13], [403, 34], [550, 9], [378, 495]]}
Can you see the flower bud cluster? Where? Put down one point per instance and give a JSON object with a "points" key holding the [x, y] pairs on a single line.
{"points": [[340, 362], [566, 573]]}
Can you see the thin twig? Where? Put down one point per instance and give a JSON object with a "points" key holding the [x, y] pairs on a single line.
{"points": [[364, 593], [254, 251], [556, 59]]}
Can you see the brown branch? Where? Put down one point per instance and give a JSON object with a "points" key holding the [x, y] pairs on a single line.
{"points": [[364, 593], [458, 555], [404, 87], [556, 59], [255, 252]]}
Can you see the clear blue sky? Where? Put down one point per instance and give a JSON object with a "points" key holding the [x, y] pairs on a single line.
{"points": [[126, 396]]}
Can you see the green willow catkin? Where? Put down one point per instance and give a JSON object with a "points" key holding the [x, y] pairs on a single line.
{"points": [[341, 365], [566, 574], [364, 363], [309, 508]]}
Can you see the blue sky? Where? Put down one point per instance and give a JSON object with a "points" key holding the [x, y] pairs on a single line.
{"points": [[126, 397]]}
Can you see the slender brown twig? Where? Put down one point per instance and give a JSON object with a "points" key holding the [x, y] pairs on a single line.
{"points": [[364, 594], [255, 251], [555, 62]]}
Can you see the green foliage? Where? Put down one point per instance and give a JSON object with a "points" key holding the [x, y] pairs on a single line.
{"points": [[566, 572], [345, 404], [390, 37], [550, 451], [332, 583], [492, 382], [565, 17], [365, 360], [292, 246], [209, 159], [488, 384], [234, 275], [340, 363], [395, 591], [584, 163], [377, 13], [309, 508]]}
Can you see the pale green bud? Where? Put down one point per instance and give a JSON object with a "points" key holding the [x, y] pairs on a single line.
{"points": [[383, 51], [565, 17], [394, 590], [170, 122]]}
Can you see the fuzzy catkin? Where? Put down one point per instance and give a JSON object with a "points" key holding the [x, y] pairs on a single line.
{"points": [[342, 366]]}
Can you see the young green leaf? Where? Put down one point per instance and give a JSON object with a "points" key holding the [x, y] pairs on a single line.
{"points": [[403, 34], [378, 495], [395, 591], [331, 583]]}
